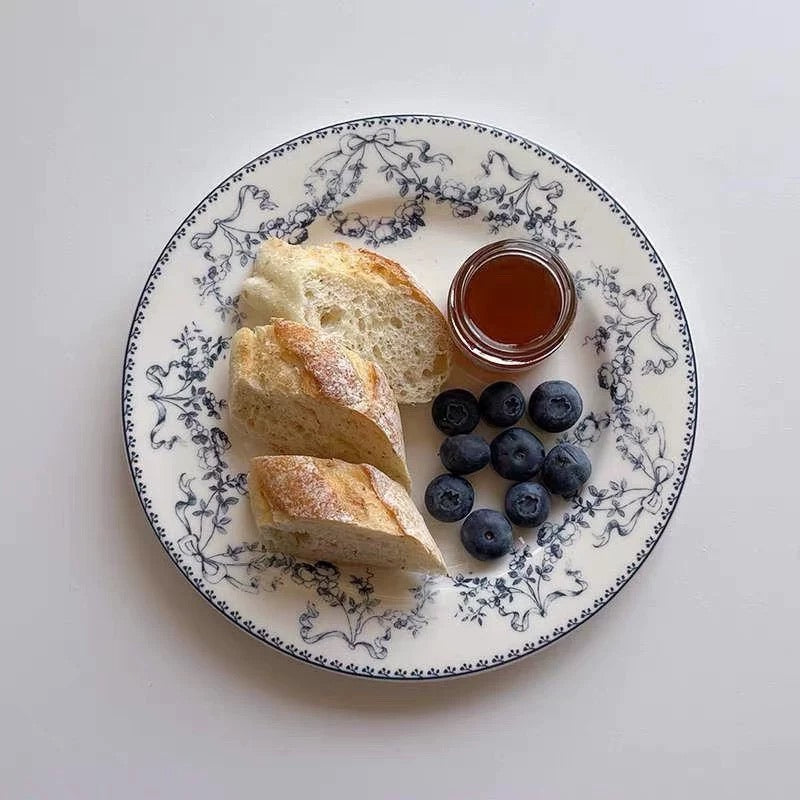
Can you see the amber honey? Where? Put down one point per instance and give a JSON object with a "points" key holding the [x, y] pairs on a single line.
{"points": [[513, 299], [511, 304]]}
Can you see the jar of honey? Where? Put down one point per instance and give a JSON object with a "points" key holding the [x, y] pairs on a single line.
{"points": [[511, 304]]}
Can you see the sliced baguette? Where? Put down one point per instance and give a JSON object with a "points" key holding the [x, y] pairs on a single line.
{"points": [[302, 392], [330, 510], [369, 302]]}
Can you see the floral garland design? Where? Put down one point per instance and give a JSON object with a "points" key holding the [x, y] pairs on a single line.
{"points": [[507, 197], [360, 611], [235, 239], [525, 586], [502, 197], [204, 512], [532, 573]]}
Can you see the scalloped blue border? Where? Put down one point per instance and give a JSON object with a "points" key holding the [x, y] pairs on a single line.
{"points": [[336, 665]]}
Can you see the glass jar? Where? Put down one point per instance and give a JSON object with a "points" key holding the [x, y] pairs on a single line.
{"points": [[511, 304]]}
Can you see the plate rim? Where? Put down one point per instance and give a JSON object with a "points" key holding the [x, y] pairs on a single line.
{"points": [[320, 662]]}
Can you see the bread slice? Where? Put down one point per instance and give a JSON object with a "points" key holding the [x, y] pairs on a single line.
{"points": [[302, 392], [369, 302], [329, 510]]}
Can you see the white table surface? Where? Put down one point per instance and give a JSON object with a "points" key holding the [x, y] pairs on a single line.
{"points": [[117, 679]]}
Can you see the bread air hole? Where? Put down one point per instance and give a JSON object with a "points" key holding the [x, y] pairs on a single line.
{"points": [[395, 322], [331, 316]]}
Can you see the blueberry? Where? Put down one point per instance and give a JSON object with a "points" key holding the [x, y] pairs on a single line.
{"points": [[527, 504], [449, 498], [516, 454], [502, 404], [566, 469], [486, 534], [464, 453], [555, 406], [455, 411]]}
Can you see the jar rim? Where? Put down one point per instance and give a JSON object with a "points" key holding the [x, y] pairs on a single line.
{"points": [[488, 352]]}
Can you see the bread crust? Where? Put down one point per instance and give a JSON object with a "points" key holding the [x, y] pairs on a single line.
{"points": [[298, 490], [279, 280], [293, 359]]}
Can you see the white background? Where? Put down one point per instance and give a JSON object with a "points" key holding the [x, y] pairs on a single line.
{"points": [[116, 678]]}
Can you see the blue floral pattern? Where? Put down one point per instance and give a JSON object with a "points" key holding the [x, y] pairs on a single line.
{"points": [[366, 625], [507, 197], [526, 589], [640, 441], [347, 610], [206, 500]]}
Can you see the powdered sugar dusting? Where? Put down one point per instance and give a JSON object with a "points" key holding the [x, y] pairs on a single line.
{"points": [[385, 411], [336, 375], [328, 363], [408, 518], [296, 486], [396, 499]]}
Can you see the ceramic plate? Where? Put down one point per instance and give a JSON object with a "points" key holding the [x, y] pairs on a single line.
{"points": [[425, 191]]}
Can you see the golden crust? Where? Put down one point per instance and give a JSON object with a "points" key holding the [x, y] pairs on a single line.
{"points": [[295, 359], [344, 377], [275, 289], [300, 489], [337, 372], [294, 487]]}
